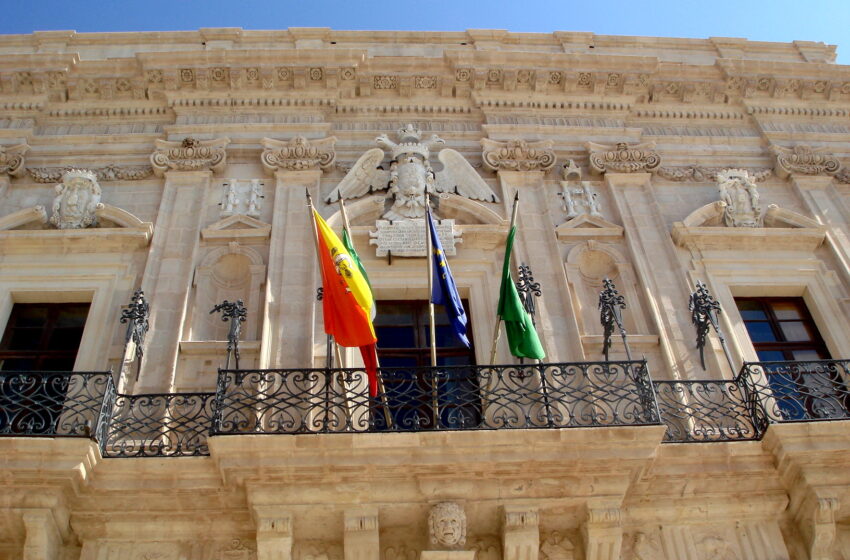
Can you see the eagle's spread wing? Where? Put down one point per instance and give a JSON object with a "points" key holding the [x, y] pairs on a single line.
{"points": [[460, 178], [365, 177]]}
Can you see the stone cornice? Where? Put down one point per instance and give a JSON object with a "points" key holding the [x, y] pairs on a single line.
{"points": [[189, 155], [623, 158], [298, 154], [518, 155], [12, 159], [804, 160]]}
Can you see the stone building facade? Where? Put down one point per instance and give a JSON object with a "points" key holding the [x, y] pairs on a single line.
{"points": [[177, 164]]}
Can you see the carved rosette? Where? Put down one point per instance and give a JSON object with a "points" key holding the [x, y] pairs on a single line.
{"points": [[189, 155], [12, 159], [804, 160], [298, 154], [107, 173], [623, 158], [518, 155], [447, 526]]}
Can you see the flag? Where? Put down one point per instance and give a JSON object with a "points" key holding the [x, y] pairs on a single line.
{"points": [[347, 300], [444, 290], [349, 246], [522, 338]]}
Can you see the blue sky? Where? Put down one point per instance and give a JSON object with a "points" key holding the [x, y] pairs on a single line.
{"points": [[778, 20]]}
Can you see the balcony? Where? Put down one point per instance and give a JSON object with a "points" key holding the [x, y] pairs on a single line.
{"points": [[328, 401]]}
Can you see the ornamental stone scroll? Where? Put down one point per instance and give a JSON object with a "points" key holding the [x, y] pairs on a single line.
{"points": [[804, 160], [623, 158], [298, 154], [12, 159], [189, 155], [518, 155]]}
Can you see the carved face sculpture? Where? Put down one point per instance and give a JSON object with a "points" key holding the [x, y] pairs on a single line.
{"points": [[447, 525]]}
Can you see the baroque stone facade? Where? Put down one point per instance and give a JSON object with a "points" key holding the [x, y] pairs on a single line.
{"points": [[177, 164]]}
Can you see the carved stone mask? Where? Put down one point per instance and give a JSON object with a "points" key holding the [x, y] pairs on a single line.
{"points": [[447, 525]]}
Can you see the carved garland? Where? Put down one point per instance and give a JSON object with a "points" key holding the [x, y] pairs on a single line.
{"points": [[107, 173], [698, 173], [804, 160], [622, 158], [189, 155], [298, 154], [518, 155]]}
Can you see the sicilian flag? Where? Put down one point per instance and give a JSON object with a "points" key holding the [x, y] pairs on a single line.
{"points": [[347, 301], [444, 290], [522, 337]]}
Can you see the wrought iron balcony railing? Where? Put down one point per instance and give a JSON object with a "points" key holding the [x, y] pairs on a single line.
{"points": [[52, 403], [441, 398]]}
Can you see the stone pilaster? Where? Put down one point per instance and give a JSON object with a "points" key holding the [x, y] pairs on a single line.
{"points": [[274, 533], [168, 273], [43, 539], [361, 540], [602, 532], [657, 266], [520, 533]]}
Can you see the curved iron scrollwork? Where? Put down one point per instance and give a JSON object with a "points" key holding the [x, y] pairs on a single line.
{"points": [[706, 410], [158, 425], [236, 314], [51, 403], [528, 290], [611, 304], [704, 312], [136, 317], [467, 397], [800, 391]]}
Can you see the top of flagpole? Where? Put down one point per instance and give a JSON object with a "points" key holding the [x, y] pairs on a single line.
{"points": [[514, 210]]}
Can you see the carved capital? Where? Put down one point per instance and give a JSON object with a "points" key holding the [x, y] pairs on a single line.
{"points": [[518, 155], [623, 158], [189, 155], [297, 154], [12, 159], [603, 516], [804, 160], [520, 517]]}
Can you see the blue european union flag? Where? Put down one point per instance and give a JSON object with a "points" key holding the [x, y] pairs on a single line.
{"points": [[444, 290]]}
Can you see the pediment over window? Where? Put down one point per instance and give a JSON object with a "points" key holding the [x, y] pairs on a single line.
{"points": [[784, 230], [587, 226], [238, 226], [28, 230]]}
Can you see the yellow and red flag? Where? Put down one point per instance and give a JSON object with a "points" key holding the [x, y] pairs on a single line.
{"points": [[347, 299]]}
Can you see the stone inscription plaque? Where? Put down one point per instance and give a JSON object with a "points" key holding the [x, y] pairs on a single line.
{"points": [[407, 238]]}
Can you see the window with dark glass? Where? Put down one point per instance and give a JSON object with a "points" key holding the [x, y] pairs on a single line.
{"points": [[43, 336], [413, 388]]}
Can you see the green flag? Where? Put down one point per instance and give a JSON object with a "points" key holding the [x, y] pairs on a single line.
{"points": [[522, 338]]}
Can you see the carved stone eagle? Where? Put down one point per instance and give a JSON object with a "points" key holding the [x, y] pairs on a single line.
{"points": [[410, 175]]}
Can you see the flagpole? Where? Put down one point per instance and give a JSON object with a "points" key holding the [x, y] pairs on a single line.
{"points": [[430, 250], [497, 331], [381, 388]]}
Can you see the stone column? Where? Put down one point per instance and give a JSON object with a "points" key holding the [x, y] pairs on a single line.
{"points": [[167, 281], [274, 533], [520, 533], [521, 168], [43, 540], [602, 532], [290, 302], [361, 541]]}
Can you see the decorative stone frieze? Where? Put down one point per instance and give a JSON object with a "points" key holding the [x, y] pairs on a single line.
{"points": [[738, 191], [623, 158], [297, 154], [447, 526], [698, 173], [518, 155], [106, 173], [77, 198], [804, 160], [12, 159], [189, 155]]}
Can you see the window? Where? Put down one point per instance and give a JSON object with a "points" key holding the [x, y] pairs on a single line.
{"points": [[43, 336], [781, 329], [413, 389]]}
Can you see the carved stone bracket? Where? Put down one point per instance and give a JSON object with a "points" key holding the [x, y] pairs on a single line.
{"points": [[297, 154], [804, 160], [623, 158], [189, 155], [12, 159], [817, 523], [520, 533], [602, 533], [274, 533], [107, 173], [361, 534], [698, 173], [518, 155]]}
